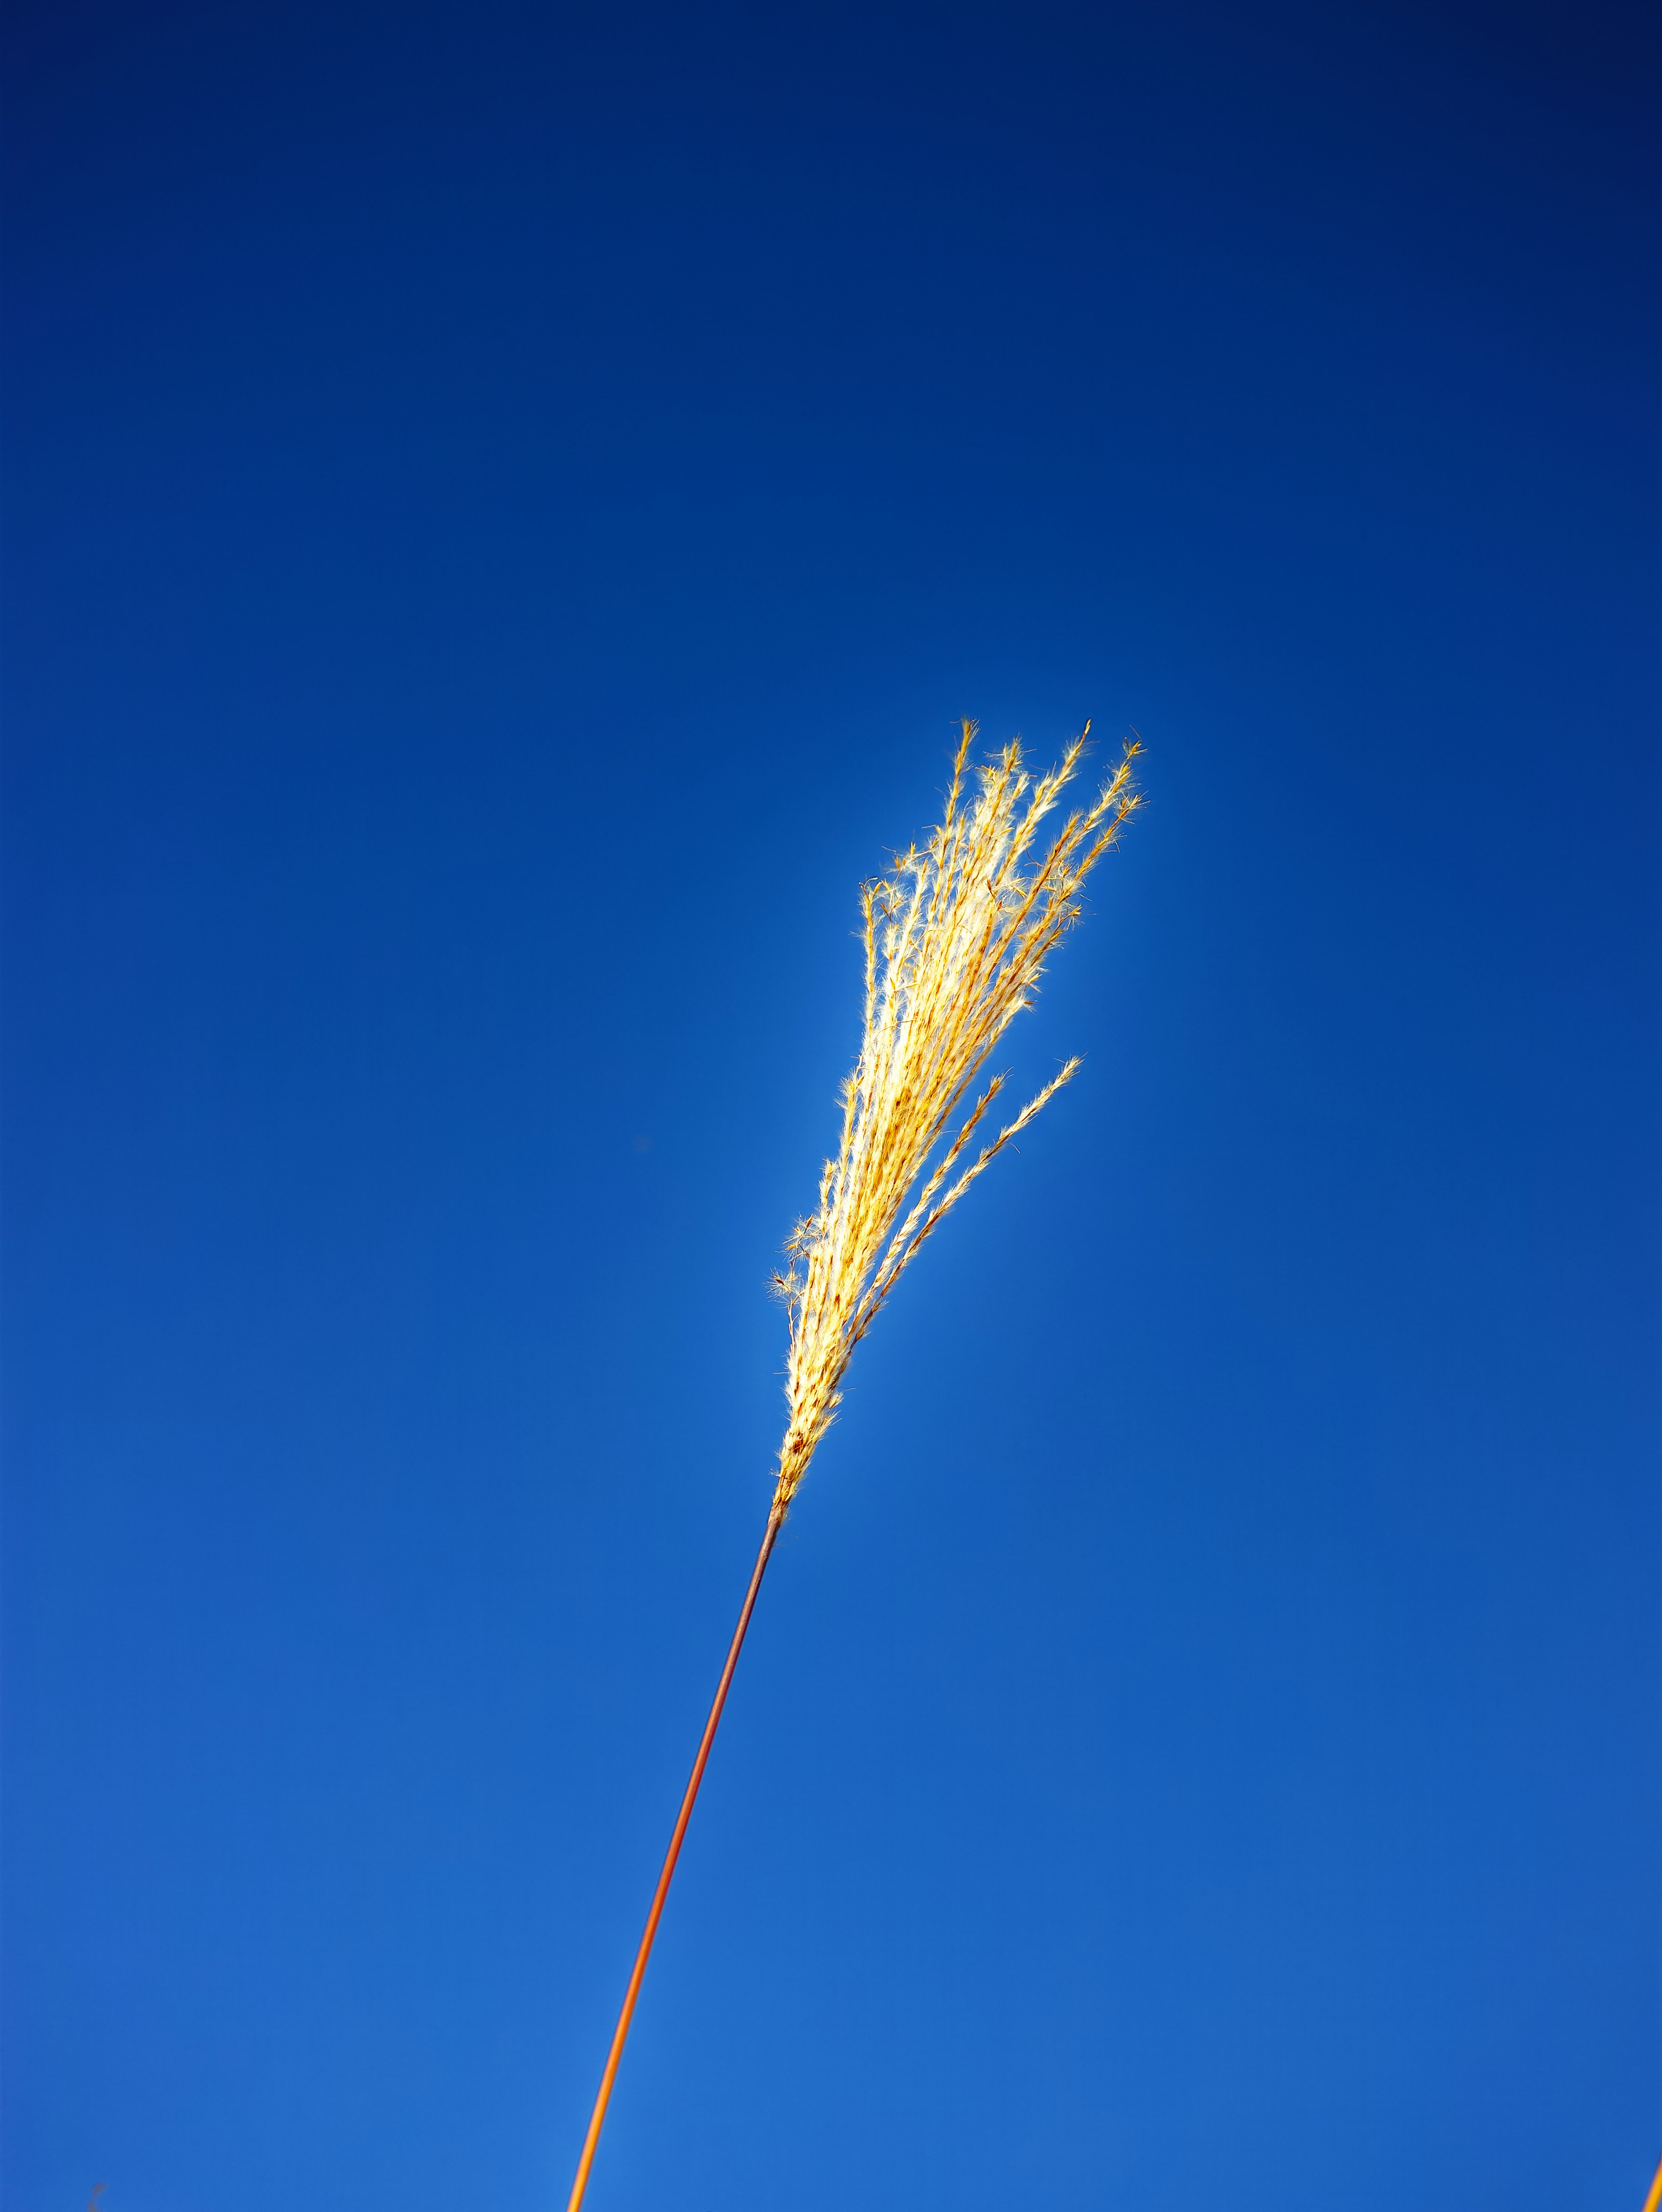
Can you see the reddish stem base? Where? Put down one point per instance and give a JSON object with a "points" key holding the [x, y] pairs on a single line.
{"points": [[597, 2118]]}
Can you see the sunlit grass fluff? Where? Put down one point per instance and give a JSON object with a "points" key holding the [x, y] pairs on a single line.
{"points": [[956, 938]]}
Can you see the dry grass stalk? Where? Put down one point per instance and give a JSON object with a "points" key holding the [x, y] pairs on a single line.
{"points": [[956, 938]]}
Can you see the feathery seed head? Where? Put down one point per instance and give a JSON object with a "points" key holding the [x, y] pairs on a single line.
{"points": [[956, 938]]}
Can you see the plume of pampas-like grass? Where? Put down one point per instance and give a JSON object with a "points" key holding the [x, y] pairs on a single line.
{"points": [[956, 937]]}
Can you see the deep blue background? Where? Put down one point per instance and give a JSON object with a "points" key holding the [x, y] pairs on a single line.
{"points": [[505, 502]]}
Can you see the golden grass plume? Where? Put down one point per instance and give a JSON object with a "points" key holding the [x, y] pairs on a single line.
{"points": [[956, 937]]}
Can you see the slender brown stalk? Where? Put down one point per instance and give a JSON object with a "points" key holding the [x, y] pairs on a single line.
{"points": [[597, 2117]]}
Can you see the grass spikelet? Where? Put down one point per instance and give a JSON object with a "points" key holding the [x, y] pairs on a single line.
{"points": [[956, 938]]}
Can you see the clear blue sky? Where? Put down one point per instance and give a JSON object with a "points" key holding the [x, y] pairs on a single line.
{"points": [[505, 503]]}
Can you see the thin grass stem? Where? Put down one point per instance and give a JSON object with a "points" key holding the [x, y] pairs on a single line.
{"points": [[620, 2034]]}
